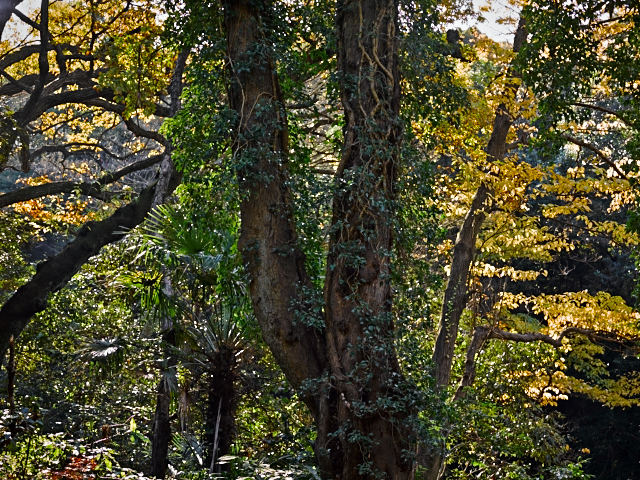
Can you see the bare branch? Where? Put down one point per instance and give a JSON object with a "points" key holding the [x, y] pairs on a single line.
{"points": [[595, 150], [23, 84], [16, 83], [35, 25], [85, 188], [497, 333], [141, 132], [605, 110], [100, 101], [19, 55], [134, 167], [29, 113], [480, 335], [43, 61], [90, 148]]}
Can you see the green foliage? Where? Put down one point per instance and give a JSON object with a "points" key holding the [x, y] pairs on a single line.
{"points": [[136, 67], [88, 366], [86, 416], [500, 431], [15, 232]]}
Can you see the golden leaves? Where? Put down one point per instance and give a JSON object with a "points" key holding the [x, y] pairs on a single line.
{"points": [[52, 210]]}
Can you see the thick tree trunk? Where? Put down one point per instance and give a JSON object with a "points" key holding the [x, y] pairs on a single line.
{"points": [[372, 438], [358, 408], [267, 237]]}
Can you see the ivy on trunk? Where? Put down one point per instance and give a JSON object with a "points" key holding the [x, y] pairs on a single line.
{"points": [[346, 371]]}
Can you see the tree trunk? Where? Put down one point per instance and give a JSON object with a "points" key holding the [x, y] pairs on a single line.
{"points": [[161, 431], [222, 402], [455, 296], [370, 412], [358, 408], [162, 417], [6, 8], [267, 236]]}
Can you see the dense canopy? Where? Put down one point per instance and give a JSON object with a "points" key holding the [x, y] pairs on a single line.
{"points": [[319, 239]]}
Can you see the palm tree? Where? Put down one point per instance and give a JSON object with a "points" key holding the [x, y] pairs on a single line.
{"points": [[200, 311], [219, 338]]}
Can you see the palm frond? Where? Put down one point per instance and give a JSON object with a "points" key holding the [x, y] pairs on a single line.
{"points": [[108, 352], [169, 377], [189, 446], [167, 225]]}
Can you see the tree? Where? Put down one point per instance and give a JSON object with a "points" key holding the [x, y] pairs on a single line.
{"points": [[87, 60], [358, 406], [510, 215], [196, 310], [307, 134]]}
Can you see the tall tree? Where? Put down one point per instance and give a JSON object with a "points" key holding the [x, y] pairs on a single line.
{"points": [[346, 370]]}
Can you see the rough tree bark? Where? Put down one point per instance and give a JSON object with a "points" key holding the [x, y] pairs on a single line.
{"points": [[359, 328], [267, 236], [348, 370]]}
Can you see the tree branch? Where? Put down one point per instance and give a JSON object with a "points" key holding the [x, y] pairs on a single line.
{"points": [[91, 148], [167, 167], [141, 132], [35, 25], [485, 332], [595, 150], [605, 110], [19, 86], [480, 335], [88, 189], [29, 113], [102, 101], [497, 333], [54, 273], [6, 9], [455, 295], [43, 61]]}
